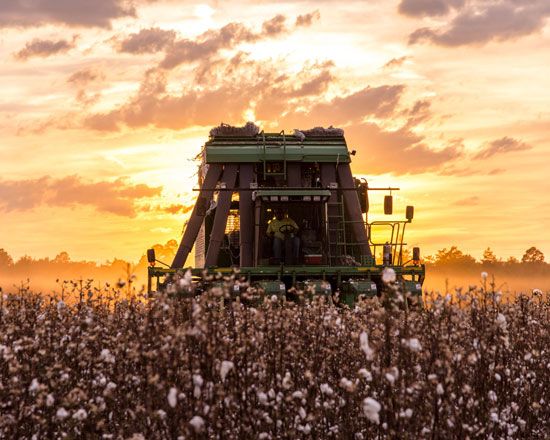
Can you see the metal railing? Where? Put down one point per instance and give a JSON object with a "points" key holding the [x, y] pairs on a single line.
{"points": [[354, 248]]}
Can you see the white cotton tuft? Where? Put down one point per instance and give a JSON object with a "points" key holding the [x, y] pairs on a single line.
{"points": [[414, 344], [225, 368], [197, 422], [62, 413], [287, 381], [326, 389], [172, 397], [347, 384], [197, 380], [50, 400], [262, 397], [501, 321], [367, 375], [484, 275], [388, 275], [364, 343], [371, 408], [81, 414], [301, 136], [34, 386], [106, 356]]}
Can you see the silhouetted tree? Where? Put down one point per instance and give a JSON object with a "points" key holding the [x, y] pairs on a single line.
{"points": [[532, 255], [5, 259], [489, 257], [62, 258], [454, 256], [512, 260]]}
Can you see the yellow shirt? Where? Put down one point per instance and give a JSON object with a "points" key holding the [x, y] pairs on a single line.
{"points": [[275, 224]]}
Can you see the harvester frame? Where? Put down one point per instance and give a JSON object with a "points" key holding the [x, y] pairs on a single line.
{"points": [[244, 178]]}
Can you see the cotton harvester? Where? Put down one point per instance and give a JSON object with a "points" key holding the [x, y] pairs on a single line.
{"points": [[248, 179]]}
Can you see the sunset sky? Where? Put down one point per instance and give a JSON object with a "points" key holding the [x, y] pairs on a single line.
{"points": [[104, 104]]}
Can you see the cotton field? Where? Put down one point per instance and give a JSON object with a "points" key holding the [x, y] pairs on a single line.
{"points": [[470, 365]]}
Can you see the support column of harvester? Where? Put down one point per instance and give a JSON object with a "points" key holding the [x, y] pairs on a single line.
{"points": [[197, 216], [353, 208], [246, 213], [228, 180]]}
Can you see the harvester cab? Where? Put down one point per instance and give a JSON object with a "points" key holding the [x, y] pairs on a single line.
{"points": [[286, 211]]}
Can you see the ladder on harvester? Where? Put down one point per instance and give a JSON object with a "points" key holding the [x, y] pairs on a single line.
{"points": [[267, 166], [336, 231]]}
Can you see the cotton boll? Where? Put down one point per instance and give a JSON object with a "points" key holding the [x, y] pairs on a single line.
{"points": [[172, 397], [62, 413], [364, 344], [197, 423], [80, 415], [326, 389], [50, 400], [371, 409], [34, 386], [388, 275], [225, 368]]}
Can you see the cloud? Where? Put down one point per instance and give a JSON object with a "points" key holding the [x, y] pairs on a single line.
{"points": [[479, 22], [419, 8], [274, 26], [176, 111], [115, 197], [232, 87], [398, 151], [44, 48], [84, 77], [147, 41], [503, 145], [212, 41], [85, 13], [468, 201], [83, 80], [314, 86], [396, 62], [208, 44], [307, 19], [176, 209], [379, 102], [420, 112]]}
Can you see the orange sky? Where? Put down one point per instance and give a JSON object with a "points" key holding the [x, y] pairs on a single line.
{"points": [[104, 104]]}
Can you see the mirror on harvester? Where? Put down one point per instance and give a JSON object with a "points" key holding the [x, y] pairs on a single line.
{"points": [[151, 257], [409, 213], [416, 254], [388, 205]]}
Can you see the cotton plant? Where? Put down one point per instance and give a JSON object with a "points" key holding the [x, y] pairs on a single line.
{"points": [[187, 366]]}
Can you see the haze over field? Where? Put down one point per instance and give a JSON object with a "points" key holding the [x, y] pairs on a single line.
{"points": [[104, 105]]}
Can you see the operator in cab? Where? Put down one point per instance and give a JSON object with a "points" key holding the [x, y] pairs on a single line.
{"points": [[282, 229]]}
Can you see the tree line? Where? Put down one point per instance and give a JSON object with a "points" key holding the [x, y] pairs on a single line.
{"points": [[63, 267]]}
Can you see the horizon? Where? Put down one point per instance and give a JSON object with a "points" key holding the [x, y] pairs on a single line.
{"points": [[104, 109]]}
